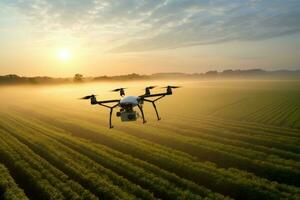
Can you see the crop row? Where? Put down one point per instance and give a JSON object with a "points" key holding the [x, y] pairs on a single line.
{"points": [[69, 125], [96, 178], [270, 112], [234, 131], [262, 164], [126, 169], [217, 135], [36, 176], [225, 155], [273, 137], [259, 130], [279, 115], [283, 115], [269, 130], [224, 136], [159, 186], [246, 136], [281, 110], [9, 190], [128, 166], [238, 184]]}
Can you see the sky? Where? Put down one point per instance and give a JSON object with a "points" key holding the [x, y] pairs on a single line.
{"points": [[109, 37]]}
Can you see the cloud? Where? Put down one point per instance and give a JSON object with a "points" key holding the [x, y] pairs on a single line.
{"points": [[143, 25]]}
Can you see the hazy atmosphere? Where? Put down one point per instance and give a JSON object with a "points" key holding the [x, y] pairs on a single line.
{"points": [[106, 37]]}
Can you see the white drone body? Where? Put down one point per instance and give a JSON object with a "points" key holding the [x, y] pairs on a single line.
{"points": [[127, 103], [127, 113], [133, 100]]}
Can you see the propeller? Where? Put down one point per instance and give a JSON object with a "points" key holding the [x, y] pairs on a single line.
{"points": [[88, 97], [151, 87], [121, 90], [118, 89], [173, 87], [169, 88]]}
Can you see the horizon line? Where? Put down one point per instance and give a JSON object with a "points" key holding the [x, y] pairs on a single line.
{"points": [[186, 73]]}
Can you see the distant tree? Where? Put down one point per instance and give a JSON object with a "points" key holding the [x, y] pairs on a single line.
{"points": [[78, 78], [211, 73], [228, 71], [33, 80]]}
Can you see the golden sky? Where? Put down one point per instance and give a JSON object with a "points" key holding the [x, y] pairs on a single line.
{"points": [[107, 37]]}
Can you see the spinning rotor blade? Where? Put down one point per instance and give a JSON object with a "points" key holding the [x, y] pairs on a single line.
{"points": [[87, 97], [173, 87], [118, 89], [151, 87], [121, 90]]}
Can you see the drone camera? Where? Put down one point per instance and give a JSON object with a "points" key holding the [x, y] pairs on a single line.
{"points": [[128, 116]]}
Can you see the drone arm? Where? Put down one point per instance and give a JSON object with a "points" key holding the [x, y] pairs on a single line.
{"points": [[148, 100], [107, 101], [160, 95]]}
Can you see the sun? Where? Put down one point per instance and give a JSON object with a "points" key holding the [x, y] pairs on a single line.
{"points": [[64, 54]]}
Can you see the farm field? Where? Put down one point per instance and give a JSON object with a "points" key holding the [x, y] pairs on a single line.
{"points": [[216, 140]]}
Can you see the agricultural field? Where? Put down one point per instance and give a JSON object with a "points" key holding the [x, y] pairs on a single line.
{"points": [[216, 140]]}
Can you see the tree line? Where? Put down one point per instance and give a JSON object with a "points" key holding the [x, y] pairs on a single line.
{"points": [[213, 74]]}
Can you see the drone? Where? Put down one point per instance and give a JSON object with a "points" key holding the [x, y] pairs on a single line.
{"points": [[126, 104]]}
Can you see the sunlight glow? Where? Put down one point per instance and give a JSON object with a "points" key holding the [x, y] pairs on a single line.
{"points": [[64, 54]]}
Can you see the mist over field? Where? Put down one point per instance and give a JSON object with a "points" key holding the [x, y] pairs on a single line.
{"points": [[217, 139], [235, 99]]}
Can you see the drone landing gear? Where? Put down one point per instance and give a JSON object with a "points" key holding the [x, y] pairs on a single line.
{"points": [[143, 116], [158, 117], [154, 106], [110, 113]]}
